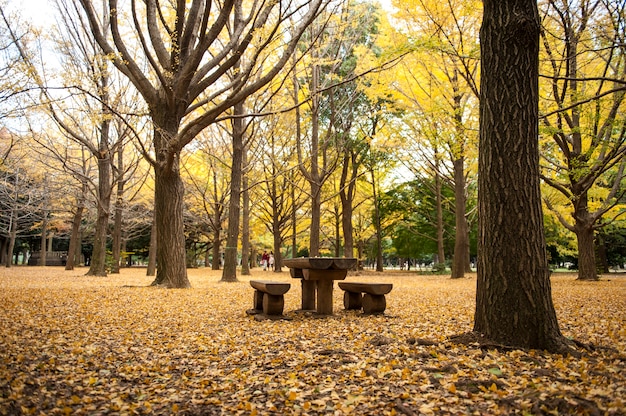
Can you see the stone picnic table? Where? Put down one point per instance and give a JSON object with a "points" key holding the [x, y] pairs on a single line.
{"points": [[317, 275]]}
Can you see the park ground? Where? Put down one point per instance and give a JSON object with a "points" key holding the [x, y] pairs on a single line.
{"points": [[71, 344]]}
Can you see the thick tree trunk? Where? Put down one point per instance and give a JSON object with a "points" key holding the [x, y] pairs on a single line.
{"points": [[168, 198], [460, 263], [513, 298], [169, 190], [97, 267], [586, 251], [583, 228]]}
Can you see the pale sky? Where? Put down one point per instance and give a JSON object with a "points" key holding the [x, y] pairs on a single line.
{"points": [[41, 11]]}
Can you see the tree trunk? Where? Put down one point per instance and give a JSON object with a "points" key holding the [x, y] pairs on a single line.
{"points": [[75, 238], [276, 231], [215, 250], [346, 224], [126, 260], [245, 221], [12, 238], [314, 174], [152, 258], [513, 297], [441, 254], [586, 251], [74, 251], [337, 220], [379, 231], [294, 222], [347, 189], [3, 250], [583, 228], [460, 263], [97, 267], [119, 202], [278, 257], [116, 246], [316, 213], [168, 198], [229, 274], [44, 233]]}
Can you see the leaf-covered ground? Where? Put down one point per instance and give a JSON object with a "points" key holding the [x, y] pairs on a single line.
{"points": [[71, 344]]}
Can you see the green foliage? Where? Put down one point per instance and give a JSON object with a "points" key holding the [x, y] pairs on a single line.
{"points": [[439, 268], [409, 213]]}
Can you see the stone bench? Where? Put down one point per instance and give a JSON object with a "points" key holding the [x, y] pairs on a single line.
{"points": [[268, 297], [369, 296]]}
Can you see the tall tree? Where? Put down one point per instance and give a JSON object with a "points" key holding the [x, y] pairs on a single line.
{"points": [[443, 89], [353, 113], [585, 87], [278, 175], [81, 56], [178, 55], [513, 296], [208, 172]]}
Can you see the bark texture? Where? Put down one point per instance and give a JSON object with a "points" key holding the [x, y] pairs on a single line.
{"points": [[168, 197], [460, 263], [97, 267], [513, 299], [229, 273]]}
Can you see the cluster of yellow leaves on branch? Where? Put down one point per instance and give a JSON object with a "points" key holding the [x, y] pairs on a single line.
{"points": [[71, 344]]}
